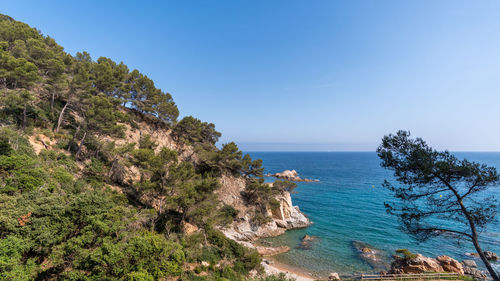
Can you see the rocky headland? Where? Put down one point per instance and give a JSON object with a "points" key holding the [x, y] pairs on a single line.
{"points": [[284, 217]]}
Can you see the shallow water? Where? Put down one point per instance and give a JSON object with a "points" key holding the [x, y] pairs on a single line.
{"points": [[347, 205]]}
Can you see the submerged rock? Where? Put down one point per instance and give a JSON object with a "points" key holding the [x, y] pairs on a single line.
{"points": [[374, 257], [307, 242]]}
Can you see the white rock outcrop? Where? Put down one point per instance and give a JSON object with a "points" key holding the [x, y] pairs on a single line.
{"points": [[286, 216]]}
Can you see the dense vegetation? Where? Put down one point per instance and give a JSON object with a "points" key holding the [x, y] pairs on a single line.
{"points": [[69, 212]]}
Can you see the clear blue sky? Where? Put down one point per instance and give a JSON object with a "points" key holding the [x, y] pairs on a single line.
{"points": [[303, 75]]}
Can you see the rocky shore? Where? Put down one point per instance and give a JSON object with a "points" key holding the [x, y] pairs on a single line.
{"points": [[422, 264], [286, 216]]}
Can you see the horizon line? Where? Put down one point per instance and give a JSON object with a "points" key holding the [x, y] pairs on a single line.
{"points": [[351, 151]]}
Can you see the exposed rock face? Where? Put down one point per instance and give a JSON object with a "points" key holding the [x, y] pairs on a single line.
{"points": [[270, 251], [291, 215], [450, 265], [374, 257], [189, 228], [421, 264], [126, 174], [286, 216], [290, 176]]}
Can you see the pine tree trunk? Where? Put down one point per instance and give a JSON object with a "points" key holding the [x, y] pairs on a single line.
{"points": [[74, 137], [52, 101], [486, 262], [80, 146], [24, 117], [59, 121], [475, 241]]}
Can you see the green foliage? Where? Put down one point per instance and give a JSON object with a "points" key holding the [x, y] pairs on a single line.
{"points": [[12, 267], [406, 253], [59, 220], [227, 213], [284, 185], [244, 259], [228, 159], [18, 106], [195, 131], [16, 72], [20, 172]]}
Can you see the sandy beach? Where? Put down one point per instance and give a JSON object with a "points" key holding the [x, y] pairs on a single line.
{"points": [[290, 271]]}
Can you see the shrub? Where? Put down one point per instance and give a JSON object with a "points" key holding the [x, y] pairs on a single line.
{"points": [[406, 253]]}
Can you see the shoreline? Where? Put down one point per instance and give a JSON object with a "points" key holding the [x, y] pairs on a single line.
{"points": [[290, 271]]}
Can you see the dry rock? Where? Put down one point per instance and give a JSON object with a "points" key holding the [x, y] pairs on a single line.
{"points": [[271, 251], [333, 276], [469, 263]]}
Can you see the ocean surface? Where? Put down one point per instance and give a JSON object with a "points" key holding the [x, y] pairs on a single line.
{"points": [[348, 205]]}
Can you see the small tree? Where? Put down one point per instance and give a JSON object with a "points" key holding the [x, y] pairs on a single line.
{"points": [[440, 194]]}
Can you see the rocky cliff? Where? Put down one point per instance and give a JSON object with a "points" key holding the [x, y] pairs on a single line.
{"points": [[286, 216]]}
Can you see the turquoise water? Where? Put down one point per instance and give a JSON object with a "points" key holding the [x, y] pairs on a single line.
{"points": [[347, 205]]}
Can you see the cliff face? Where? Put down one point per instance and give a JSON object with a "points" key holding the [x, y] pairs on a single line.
{"points": [[285, 217]]}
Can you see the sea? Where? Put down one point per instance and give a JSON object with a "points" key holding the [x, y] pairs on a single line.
{"points": [[347, 205]]}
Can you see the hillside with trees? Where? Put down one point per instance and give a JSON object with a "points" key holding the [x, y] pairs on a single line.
{"points": [[99, 178]]}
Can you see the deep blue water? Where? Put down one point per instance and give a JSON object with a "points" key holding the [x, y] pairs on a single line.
{"points": [[347, 205]]}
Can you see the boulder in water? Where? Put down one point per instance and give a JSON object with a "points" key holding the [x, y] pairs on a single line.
{"points": [[290, 176], [374, 257], [490, 256]]}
